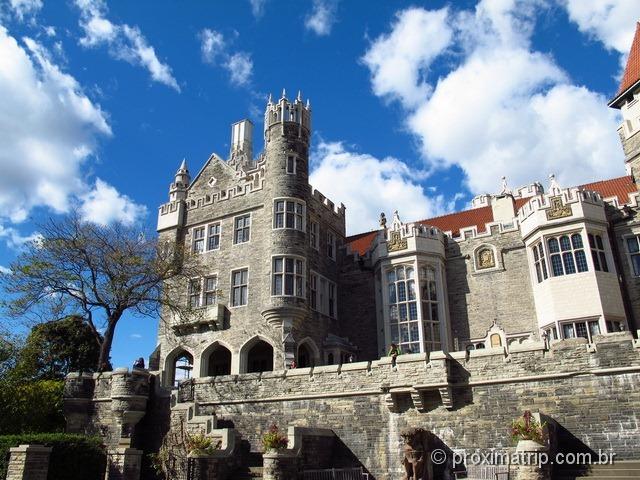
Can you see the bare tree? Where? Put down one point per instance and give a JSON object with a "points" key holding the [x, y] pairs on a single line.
{"points": [[99, 272]]}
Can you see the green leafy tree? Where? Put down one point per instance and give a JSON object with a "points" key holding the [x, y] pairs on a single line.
{"points": [[100, 272], [54, 349]]}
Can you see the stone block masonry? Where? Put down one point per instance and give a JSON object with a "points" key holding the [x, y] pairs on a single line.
{"points": [[29, 462], [467, 399]]}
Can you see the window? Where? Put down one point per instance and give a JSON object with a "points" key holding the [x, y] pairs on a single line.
{"points": [[194, 293], [331, 245], [198, 240], [313, 235], [540, 262], [597, 253], [242, 229], [291, 164], [581, 329], [239, 287], [313, 291], [323, 295], [430, 317], [288, 214], [288, 276], [634, 253], [403, 309], [213, 239], [552, 333], [567, 255], [614, 326], [210, 290]]}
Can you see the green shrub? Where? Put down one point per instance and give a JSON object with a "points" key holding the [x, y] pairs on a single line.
{"points": [[31, 407], [74, 457]]}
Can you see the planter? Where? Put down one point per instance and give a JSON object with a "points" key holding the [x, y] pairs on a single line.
{"points": [[279, 464], [529, 446]]}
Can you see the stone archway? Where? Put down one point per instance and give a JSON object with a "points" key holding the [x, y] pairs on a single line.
{"points": [[256, 355], [216, 360]]}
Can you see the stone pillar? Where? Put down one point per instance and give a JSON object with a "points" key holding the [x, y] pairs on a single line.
{"points": [[280, 465], [123, 463], [205, 467], [530, 466], [29, 462]]}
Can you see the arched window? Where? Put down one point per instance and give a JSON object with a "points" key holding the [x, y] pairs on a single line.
{"points": [[403, 309], [330, 359], [430, 317], [182, 367], [260, 357], [304, 357], [219, 362]]}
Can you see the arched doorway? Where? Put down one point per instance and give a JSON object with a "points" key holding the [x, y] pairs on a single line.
{"points": [[182, 368], [304, 357], [219, 362], [260, 357]]}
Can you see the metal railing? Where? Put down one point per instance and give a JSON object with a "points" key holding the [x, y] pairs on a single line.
{"points": [[336, 474]]}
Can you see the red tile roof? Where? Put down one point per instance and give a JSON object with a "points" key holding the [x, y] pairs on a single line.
{"points": [[632, 70], [619, 187]]}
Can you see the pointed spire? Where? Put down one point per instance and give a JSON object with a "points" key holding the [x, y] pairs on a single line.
{"points": [[284, 94], [183, 166], [299, 97], [308, 104], [270, 101], [632, 70]]}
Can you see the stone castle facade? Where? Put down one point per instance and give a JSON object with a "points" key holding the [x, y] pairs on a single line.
{"points": [[525, 301]]}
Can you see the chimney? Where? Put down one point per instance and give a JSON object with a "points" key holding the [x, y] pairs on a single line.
{"points": [[504, 208], [241, 139]]}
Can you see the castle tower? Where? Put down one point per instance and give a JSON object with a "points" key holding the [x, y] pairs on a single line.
{"points": [[287, 130], [626, 100], [178, 189]]}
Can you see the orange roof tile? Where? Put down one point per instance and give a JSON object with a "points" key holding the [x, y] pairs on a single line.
{"points": [[619, 188], [632, 70]]}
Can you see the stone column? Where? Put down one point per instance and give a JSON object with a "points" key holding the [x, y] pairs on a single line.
{"points": [[29, 462], [529, 456], [280, 465], [123, 463], [205, 467]]}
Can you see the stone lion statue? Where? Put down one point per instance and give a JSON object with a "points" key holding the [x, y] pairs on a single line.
{"points": [[417, 454]]}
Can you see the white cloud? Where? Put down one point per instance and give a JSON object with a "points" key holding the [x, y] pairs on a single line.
{"points": [[257, 7], [215, 50], [135, 336], [124, 42], [49, 130], [5, 270], [322, 17], [240, 67], [105, 205], [25, 8], [501, 108], [612, 22], [398, 61], [368, 186]]}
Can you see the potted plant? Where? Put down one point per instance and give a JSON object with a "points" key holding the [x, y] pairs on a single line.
{"points": [[199, 445], [273, 440], [527, 432]]}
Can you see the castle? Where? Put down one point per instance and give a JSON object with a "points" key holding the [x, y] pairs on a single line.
{"points": [[527, 300]]}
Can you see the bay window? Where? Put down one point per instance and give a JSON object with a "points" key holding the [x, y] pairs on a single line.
{"points": [[288, 277], [289, 213]]}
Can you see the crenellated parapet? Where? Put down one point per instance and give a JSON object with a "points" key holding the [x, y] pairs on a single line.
{"points": [[110, 403]]}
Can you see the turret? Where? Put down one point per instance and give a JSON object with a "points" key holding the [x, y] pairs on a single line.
{"points": [[178, 189], [286, 112], [626, 100]]}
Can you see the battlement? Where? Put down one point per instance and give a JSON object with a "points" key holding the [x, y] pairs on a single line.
{"points": [[328, 204], [284, 111]]}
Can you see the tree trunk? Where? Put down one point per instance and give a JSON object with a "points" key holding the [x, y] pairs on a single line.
{"points": [[105, 347]]}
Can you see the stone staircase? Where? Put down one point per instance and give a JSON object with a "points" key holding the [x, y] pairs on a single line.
{"points": [[195, 421], [619, 470], [250, 468]]}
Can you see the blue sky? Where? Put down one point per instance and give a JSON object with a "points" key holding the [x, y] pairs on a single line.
{"points": [[416, 105]]}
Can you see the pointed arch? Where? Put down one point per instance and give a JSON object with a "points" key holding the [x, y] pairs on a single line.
{"points": [[216, 359], [313, 351], [254, 355], [170, 361]]}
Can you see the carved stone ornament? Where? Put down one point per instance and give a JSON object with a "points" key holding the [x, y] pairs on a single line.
{"points": [[557, 209], [396, 243], [486, 259]]}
